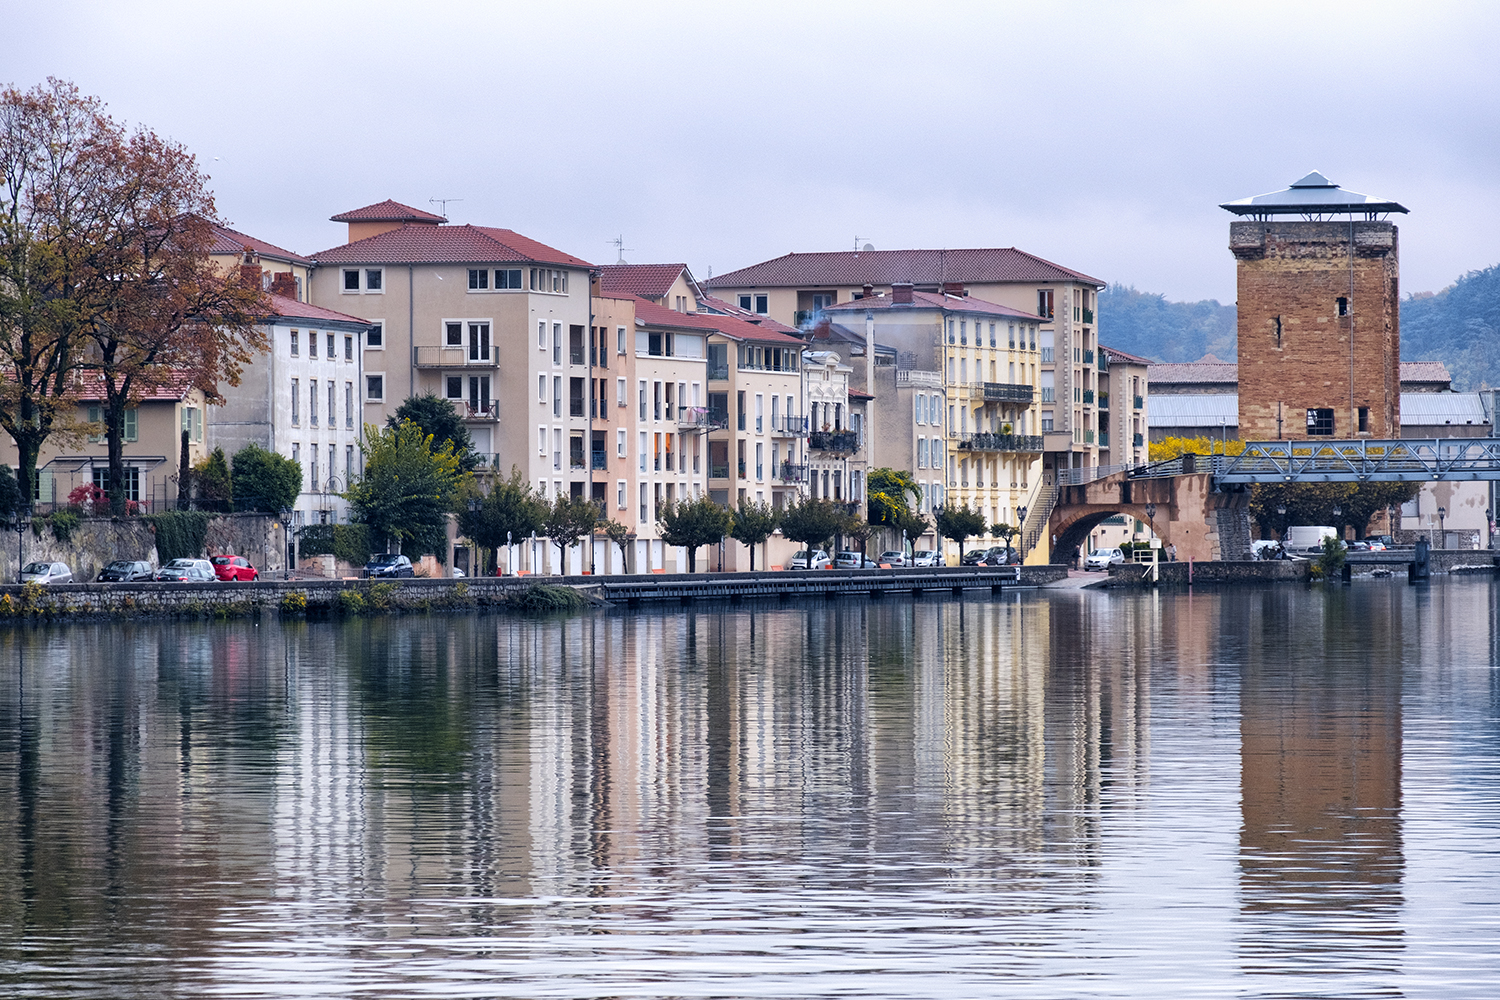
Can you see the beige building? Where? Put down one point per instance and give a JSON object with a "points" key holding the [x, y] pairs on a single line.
{"points": [[1124, 431], [445, 303], [955, 383], [799, 287], [835, 430]]}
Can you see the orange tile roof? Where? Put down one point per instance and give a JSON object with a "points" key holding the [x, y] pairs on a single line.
{"points": [[387, 211], [466, 244]]}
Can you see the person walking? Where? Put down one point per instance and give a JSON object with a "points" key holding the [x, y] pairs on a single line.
{"points": [[1171, 553]]}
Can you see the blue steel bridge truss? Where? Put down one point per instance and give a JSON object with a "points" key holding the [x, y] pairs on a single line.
{"points": [[1404, 460]]}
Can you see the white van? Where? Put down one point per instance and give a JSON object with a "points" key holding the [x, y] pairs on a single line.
{"points": [[1305, 537]]}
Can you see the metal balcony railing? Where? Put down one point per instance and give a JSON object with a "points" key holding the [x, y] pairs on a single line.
{"points": [[718, 373], [718, 471], [1138, 440], [1088, 395], [1103, 400], [699, 418], [1103, 362], [1049, 394], [1088, 357], [1000, 442], [788, 426], [451, 357], [600, 460], [1088, 315], [1008, 392], [1088, 437], [1139, 402], [843, 441], [792, 473], [1104, 439]]}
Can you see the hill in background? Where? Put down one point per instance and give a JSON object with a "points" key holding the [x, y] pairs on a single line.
{"points": [[1459, 326]]}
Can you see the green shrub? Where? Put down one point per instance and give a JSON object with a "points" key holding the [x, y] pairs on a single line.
{"points": [[544, 597], [348, 543], [294, 602], [180, 534], [380, 596], [63, 523], [351, 602], [1331, 560]]}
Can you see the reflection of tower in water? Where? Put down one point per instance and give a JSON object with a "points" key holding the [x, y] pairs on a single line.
{"points": [[1320, 845]]}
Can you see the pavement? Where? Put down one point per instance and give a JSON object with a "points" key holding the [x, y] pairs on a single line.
{"points": [[1078, 579]]}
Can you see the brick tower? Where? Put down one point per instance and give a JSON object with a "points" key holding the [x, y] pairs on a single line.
{"points": [[1319, 330]]}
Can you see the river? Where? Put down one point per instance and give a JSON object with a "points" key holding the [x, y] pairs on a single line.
{"points": [[1280, 792]]}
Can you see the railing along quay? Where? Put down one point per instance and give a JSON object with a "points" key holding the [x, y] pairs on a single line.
{"points": [[685, 588]]}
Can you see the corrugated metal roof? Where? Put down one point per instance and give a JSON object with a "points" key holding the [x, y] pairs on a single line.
{"points": [[1420, 409], [1312, 195], [1200, 410]]}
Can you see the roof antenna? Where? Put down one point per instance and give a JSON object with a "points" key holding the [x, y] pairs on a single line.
{"points": [[619, 244], [442, 204]]}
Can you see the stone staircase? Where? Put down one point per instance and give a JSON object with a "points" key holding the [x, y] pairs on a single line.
{"points": [[1036, 517]]}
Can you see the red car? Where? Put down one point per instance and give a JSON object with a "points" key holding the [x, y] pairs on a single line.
{"points": [[232, 568]]}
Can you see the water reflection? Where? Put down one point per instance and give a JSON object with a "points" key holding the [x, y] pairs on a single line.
{"points": [[896, 798]]}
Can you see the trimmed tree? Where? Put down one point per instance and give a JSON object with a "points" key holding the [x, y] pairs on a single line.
{"points": [[1004, 532], [959, 524], [751, 523], [10, 494], [891, 493], [510, 511], [264, 481], [693, 523], [408, 488], [621, 536], [912, 527], [568, 520], [811, 522], [213, 487], [437, 417]]}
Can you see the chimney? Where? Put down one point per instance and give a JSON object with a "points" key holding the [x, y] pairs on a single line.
{"points": [[901, 291], [868, 291], [955, 288], [284, 283], [250, 275]]}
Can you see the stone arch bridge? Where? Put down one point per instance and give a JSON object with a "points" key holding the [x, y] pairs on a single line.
{"points": [[1203, 519]]}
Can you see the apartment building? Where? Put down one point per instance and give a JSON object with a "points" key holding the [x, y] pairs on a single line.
{"points": [[835, 430], [301, 399], [231, 249], [1124, 432], [445, 303], [799, 288], [669, 285], [955, 384]]}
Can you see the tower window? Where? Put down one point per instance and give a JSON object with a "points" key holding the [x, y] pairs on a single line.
{"points": [[1364, 419], [1278, 331], [1343, 306], [1320, 423]]}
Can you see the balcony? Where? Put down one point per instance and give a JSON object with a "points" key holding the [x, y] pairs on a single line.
{"points": [[718, 471], [1138, 440], [718, 373], [1103, 362], [1088, 395], [1049, 355], [483, 410], [599, 461], [840, 441], [699, 418], [788, 426], [1103, 400], [919, 379], [1088, 437], [1049, 394], [1139, 402], [1104, 439], [1000, 442], [1088, 357], [1007, 392], [450, 357], [790, 473], [1088, 315]]}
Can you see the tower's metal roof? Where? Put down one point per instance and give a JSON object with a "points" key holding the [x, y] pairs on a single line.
{"points": [[1312, 195]]}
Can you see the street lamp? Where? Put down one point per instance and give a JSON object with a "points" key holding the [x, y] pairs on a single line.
{"points": [[510, 556], [1281, 516], [1151, 517], [286, 539], [474, 504], [1338, 512], [23, 521], [1442, 514], [1489, 524], [1021, 524]]}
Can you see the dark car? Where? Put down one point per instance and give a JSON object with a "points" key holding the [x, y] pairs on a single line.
{"points": [[125, 571], [976, 556], [1001, 557], [186, 571], [389, 564]]}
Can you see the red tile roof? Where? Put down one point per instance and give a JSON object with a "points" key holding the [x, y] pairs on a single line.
{"points": [[932, 300], [860, 394], [760, 319], [285, 308], [176, 385], [652, 314], [651, 280], [387, 211], [423, 244], [227, 241], [882, 267], [1118, 355], [1425, 371]]}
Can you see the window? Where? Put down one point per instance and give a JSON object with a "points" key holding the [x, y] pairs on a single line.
{"points": [[375, 336], [620, 399], [312, 343], [1044, 303], [557, 343], [348, 347], [1319, 423], [454, 335], [545, 279], [620, 442], [508, 278], [1343, 306], [374, 279], [557, 396], [619, 340], [541, 389], [455, 387], [296, 343], [312, 401], [130, 481], [329, 353], [132, 428], [620, 494], [642, 414], [297, 455], [746, 301], [349, 405], [1278, 331], [643, 453], [296, 402], [351, 280], [541, 440], [921, 453], [375, 388], [479, 279], [541, 335], [479, 341], [762, 304], [1364, 420], [348, 464]]}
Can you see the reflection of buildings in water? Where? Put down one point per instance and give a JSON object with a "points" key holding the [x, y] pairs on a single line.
{"points": [[1320, 725]]}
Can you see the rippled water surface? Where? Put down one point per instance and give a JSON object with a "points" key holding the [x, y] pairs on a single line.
{"points": [[1265, 793]]}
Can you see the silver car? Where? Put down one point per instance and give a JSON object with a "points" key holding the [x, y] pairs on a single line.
{"points": [[46, 573], [187, 571], [925, 557]]}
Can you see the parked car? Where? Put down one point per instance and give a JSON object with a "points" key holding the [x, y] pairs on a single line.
{"points": [[1000, 556], [925, 557], [187, 571], [46, 573], [892, 558], [231, 569], [389, 564], [853, 560], [976, 556], [802, 559], [125, 571], [1103, 559]]}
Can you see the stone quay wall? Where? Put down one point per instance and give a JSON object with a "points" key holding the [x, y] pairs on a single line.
{"points": [[98, 541]]}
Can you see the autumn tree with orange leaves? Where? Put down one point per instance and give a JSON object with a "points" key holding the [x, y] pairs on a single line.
{"points": [[107, 287]]}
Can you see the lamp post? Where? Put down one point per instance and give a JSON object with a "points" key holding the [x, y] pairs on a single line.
{"points": [[1489, 528], [1338, 512], [1021, 526], [474, 505], [1151, 518], [1442, 515], [510, 556], [1391, 523], [1281, 515], [286, 538], [23, 521]]}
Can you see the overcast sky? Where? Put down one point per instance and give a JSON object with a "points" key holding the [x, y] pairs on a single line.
{"points": [[1101, 136]]}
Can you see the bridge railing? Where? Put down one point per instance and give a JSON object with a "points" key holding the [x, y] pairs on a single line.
{"points": [[1077, 477], [1363, 461]]}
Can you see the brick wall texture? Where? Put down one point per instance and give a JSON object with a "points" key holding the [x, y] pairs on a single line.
{"points": [[1294, 346]]}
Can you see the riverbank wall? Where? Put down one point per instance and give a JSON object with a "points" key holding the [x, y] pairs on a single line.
{"points": [[1443, 562], [353, 596]]}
